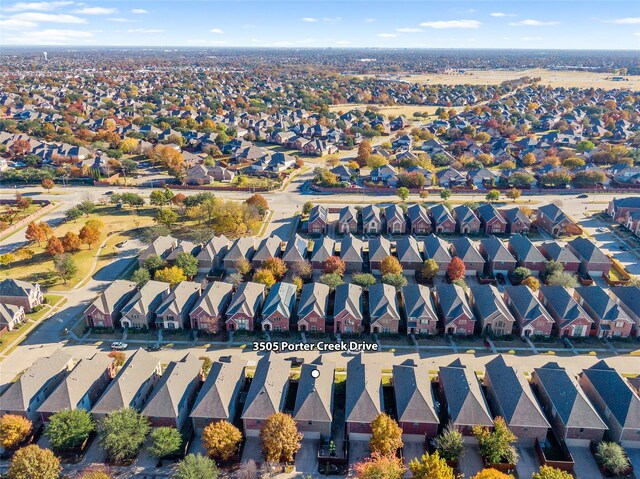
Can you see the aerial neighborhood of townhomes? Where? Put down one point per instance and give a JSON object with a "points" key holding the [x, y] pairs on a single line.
{"points": [[315, 239]]}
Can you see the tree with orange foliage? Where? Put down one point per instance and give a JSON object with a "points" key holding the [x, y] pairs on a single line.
{"points": [[492, 474], [89, 235], [379, 466], [71, 242], [34, 233], [456, 269], [334, 265], [54, 246]]}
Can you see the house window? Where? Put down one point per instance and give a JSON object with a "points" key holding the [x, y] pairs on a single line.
{"points": [[243, 324], [619, 324], [581, 429], [386, 329], [310, 423]]}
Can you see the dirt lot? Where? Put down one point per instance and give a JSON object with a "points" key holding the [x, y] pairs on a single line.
{"points": [[396, 110], [549, 77]]}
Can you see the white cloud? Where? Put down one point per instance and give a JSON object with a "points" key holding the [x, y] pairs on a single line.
{"points": [[452, 24], [502, 14], [343, 42], [39, 6], [625, 21], [95, 11], [48, 17], [331, 20], [50, 37], [532, 23], [144, 30], [139, 11], [121, 20], [409, 30], [531, 39], [637, 34], [13, 24], [387, 35], [309, 19], [216, 30]]}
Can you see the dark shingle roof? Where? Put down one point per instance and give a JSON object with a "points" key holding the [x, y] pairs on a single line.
{"points": [[414, 397]]}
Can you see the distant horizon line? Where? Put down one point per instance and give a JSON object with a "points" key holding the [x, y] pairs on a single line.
{"points": [[339, 47]]}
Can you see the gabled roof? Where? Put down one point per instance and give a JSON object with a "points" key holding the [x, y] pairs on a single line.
{"points": [[466, 403], [603, 306], [569, 401], [488, 301], [15, 288], [514, 395], [629, 296], [370, 213], [526, 303], [296, 249], [416, 212], [348, 214], [418, 303], [616, 393], [172, 387], [466, 250], [587, 250], [383, 300], [440, 213], [525, 250], [266, 394], [564, 305], [146, 295], [20, 393], [216, 397], [318, 212], [348, 298], [214, 298], [515, 214], [247, 299], [322, 249], [407, 250], [314, 298], [437, 249], [553, 250], [496, 250], [314, 399], [181, 299], [280, 299], [452, 301], [351, 249], [364, 390], [123, 389], [379, 248], [414, 398], [159, 247], [464, 214], [553, 212], [242, 248], [393, 212], [487, 211], [73, 388], [113, 296]]}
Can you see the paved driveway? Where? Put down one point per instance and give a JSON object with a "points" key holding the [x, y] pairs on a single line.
{"points": [[527, 461], [412, 450], [586, 467], [307, 457], [633, 453], [358, 451], [471, 461], [252, 450]]}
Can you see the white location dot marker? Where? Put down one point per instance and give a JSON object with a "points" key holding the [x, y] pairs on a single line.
{"points": [[315, 373]]}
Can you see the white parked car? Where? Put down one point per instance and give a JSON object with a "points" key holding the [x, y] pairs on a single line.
{"points": [[119, 346]]}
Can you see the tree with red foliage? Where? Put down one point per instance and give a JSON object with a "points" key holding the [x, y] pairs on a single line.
{"points": [[333, 264], [456, 269], [54, 246], [379, 467], [259, 202]]}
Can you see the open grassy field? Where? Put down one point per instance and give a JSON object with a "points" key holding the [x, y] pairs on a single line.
{"points": [[549, 77], [123, 224], [396, 110]]}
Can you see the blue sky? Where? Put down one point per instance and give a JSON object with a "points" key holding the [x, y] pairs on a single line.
{"points": [[571, 24]]}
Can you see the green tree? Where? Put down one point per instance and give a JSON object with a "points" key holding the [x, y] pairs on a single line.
{"points": [[611, 457], [398, 281], [496, 445], [166, 218], [69, 428], [132, 200], [521, 273], [306, 208], [429, 269], [122, 433], [450, 444], [73, 214], [513, 194], [430, 466], [280, 438], [187, 263], [141, 276], [585, 145], [386, 435], [564, 279], [33, 462], [445, 194], [86, 207], [153, 263], [548, 472], [403, 193], [332, 280], [364, 280], [493, 195], [165, 441], [65, 267], [158, 198], [196, 466], [553, 266]]}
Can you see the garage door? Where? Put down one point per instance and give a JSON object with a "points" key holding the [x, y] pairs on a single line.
{"points": [[577, 442], [252, 432], [359, 436], [311, 435], [413, 438]]}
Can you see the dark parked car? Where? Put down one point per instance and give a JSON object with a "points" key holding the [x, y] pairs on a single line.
{"points": [[500, 278], [154, 347]]}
